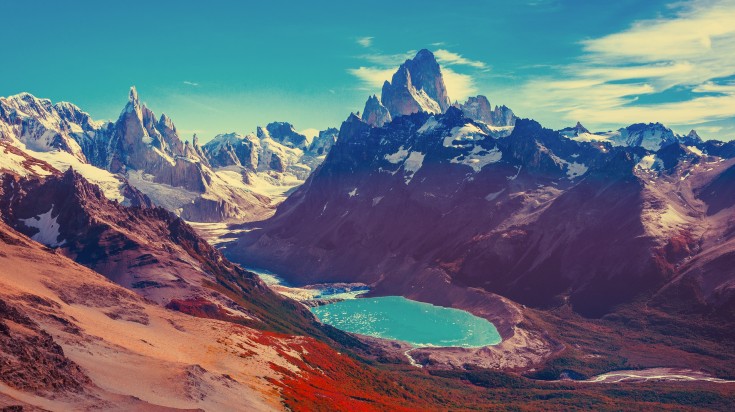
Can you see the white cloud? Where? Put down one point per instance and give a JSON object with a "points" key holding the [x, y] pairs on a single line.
{"points": [[372, 77], [447, 57], [693, 50], [191, 83], [310, 133], [459, 86], [381, 59], [365, 41]]}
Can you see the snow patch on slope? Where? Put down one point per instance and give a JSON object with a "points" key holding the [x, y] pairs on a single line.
{"points": [[426, 103], [398, 156], [492, 196], [575, 169], [428, 126], [695, 150], [478, 158], [464, 134], [48, 228], [649, 163], [169, 197], [591, 137], [111, 185], [412, 165], [12, 162]]}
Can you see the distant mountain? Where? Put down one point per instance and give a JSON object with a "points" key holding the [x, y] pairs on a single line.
{"points": [[146, 152], [652, 136], [418, 86], [479, 109], [271, 162]]}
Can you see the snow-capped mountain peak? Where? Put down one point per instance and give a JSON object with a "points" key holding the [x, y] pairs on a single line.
{"points": [[417, 86]]}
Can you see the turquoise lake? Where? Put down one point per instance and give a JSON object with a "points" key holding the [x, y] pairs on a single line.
{"points": [[417, 323]]}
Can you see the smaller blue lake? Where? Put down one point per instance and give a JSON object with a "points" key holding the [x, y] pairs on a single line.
{"points": [[417, 323]]}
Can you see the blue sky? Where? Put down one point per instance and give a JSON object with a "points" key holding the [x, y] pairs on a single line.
{"points": [[221, 66]]}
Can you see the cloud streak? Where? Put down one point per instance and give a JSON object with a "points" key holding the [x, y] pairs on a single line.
{"points": [[692, 51], [459, 86], [365, 41], [372, 77], [449, 58]]}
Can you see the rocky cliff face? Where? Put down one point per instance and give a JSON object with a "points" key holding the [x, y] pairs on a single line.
{"points": [[323, 143], [285, 134], [233, 149], [375, 114], [478, 108], [141, 143], [426, 75], [417, 86]]}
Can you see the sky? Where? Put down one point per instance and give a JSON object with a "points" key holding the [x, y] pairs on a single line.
{"points": [[219, 66]]}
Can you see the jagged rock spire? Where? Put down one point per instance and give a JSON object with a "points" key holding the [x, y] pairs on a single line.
{"points": [[416, 86], [133, 96], [375, 114]]}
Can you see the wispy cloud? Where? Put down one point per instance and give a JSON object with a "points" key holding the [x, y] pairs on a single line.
{"points": [[188, 83], [459, 86], [365, 41], [694, 50], [383, 59], [447, 57], [380, 67], [310, 133], [372, 77]]}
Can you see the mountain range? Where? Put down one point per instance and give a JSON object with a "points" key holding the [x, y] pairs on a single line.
{"points": [[589, 252], [537, 215], [232, 178]]}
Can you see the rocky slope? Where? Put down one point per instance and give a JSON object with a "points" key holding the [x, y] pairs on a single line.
{"points": [[478, 108], [73, 340], [145, 249]]}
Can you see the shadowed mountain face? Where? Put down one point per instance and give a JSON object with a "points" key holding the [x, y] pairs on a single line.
{"points": [[535, 216]]}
